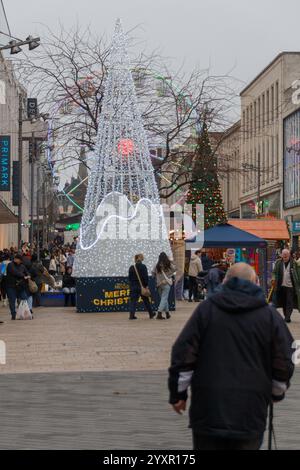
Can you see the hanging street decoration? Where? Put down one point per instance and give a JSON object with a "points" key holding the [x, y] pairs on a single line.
{"points": [[125, 147]]}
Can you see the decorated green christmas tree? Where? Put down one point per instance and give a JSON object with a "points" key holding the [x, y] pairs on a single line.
{"points": [[205, 188]]}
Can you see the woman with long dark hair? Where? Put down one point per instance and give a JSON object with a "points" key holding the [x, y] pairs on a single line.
{"points": [[164, 274]]}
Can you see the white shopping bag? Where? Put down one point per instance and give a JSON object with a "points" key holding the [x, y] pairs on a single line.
{"points": [[23, 311]]}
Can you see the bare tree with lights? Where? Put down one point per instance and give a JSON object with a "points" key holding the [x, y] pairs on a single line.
{"points": [[68, 74]]}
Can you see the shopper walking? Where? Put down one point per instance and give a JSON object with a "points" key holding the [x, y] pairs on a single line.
{"points": [[195, 268], [16, 278], [286, 284], [236, 353], [138, 283], [164, 275], [69, 287], [3, 273]]}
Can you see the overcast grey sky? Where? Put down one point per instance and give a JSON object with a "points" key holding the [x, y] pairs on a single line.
{"points": [[241, 35]]}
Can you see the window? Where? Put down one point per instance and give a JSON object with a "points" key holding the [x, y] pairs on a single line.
{"points": [[244, 126], [2, 92], [263, 110], [277, 156], [243, 174], [251, 120], [259, 113], [267, 160], [247, 123], [272, 157], [268, 108], [255, 118], [263, 169], [272, 103], [251, 171], [277, 99], [255, 168]]}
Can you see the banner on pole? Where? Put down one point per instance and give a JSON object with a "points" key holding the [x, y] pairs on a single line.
{"points": [[4, 163]]}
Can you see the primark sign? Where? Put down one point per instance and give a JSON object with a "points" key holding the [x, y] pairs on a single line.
{"points": [[4, 163]]}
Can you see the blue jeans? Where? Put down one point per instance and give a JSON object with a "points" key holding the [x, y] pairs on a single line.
{"points": [[164, 298], [30, 302], [13, 294]]}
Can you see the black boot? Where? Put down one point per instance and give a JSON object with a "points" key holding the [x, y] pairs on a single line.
{"points": [[168, 315], [159, 316], [132, 317]]}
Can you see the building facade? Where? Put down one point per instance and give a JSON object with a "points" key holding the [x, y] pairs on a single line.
{"points": [[9, 111], [264, 105], [13, 97], [230, 174]]}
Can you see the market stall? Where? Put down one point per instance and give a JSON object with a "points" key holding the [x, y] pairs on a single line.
{"points": [[241, 246], [273, 231]]}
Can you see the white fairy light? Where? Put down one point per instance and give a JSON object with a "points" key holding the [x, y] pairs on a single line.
{"points": [[121, 165]]}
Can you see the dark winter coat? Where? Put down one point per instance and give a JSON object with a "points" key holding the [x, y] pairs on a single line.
{"points": [[68, 281], [15, 275], [206, 262], [214, 279], [231, 352], [133, 279], [278, 277]]}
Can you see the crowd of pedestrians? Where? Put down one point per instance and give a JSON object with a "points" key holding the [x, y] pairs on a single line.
{"points": [[23, 273]]}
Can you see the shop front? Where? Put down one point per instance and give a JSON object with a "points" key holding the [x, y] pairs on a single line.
{"points": [[268, 206], [296, 234]]}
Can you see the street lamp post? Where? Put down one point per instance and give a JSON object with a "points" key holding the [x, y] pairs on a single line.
{"points": [[32, 168], [20, 158]]}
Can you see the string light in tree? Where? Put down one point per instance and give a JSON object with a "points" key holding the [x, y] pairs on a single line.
{"points": [[206, 188]]}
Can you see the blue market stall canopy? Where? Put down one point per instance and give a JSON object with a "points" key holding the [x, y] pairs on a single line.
{"points": [[227, 236]]}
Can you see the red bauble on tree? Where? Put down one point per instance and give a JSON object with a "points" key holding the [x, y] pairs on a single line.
{"points": [[125, 147]]}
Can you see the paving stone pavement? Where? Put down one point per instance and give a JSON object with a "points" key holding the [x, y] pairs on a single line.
{"points": [[99, 382], [108, 410]]}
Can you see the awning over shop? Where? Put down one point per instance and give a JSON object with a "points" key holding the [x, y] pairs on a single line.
{"points": [[227, 236], [268, 229], [6, 215]]}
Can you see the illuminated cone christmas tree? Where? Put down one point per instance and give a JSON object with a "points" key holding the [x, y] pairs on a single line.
{"points": [[206, 189], [121, 178]]}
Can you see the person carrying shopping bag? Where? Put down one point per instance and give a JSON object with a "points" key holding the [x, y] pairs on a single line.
{"points": [[164, 274]]}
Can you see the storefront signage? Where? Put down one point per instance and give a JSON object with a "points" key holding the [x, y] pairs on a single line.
{"points": [[296, 226], [4, 163], [32, 108]]}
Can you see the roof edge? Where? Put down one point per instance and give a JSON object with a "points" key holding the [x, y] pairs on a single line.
{"points": [[281, 54]]}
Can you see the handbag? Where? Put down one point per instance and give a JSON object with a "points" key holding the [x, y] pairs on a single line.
{"points": [[168, 279], [32, 286], [145, 291]]}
